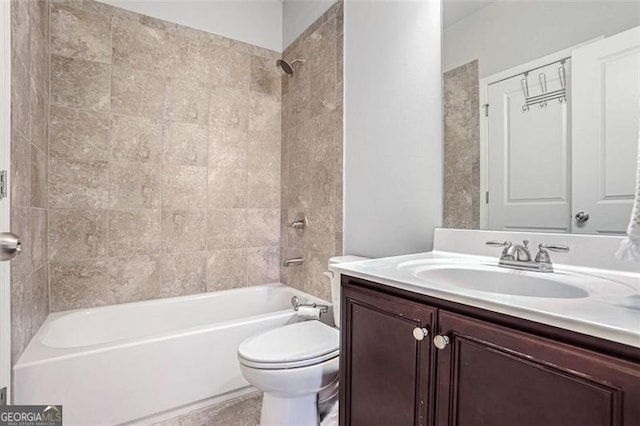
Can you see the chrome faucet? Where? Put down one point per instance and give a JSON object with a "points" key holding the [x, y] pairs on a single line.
{"points": [[296, 261], [518, 256]]}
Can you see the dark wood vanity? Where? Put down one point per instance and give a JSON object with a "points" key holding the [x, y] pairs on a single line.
{"points": [[493, 369]]}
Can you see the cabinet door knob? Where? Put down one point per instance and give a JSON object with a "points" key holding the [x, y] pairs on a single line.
{"points": [[420, 333], [441, 342]]}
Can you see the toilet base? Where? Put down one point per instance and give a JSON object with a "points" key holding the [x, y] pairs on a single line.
{"points": [[292, 411]]}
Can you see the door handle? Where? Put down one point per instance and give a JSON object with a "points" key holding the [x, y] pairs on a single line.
{"points": [[582, 217], [10, 246]]}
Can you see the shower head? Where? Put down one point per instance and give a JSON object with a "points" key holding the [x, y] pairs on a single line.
{"points": [[285, 67]]}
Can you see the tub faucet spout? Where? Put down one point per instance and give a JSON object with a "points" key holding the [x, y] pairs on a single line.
{"points": [[296, 261]]}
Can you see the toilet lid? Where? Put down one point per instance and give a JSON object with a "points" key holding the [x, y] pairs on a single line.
{"points": [[291, 345]]}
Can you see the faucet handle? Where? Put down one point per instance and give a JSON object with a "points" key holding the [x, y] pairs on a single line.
{"points": [[506, 244], [554, 247], [499, 243], [543, 254]]}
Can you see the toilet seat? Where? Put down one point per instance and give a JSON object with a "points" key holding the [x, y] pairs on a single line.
{"points": [[292, 346]]}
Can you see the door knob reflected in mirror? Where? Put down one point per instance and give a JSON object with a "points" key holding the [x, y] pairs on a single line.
{"points": [[420, 333], [440, 341], [582, 217], [10, 246]]}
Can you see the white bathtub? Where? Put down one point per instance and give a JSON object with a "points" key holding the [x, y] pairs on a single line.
{"points": [[123, 363]]}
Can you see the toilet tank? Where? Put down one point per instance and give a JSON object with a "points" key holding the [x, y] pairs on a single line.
{"points": [[335, 283]]}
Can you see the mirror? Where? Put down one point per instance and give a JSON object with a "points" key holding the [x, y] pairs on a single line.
{"points": [[541, 108]]}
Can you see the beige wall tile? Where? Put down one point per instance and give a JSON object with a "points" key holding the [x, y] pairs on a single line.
{"points": [[20, 171], [461, 148], [36, 292], [263, 227], [226, 269], [184, 274], [324, 93], [144, 48], [263, 265], [227, 228], [184, 187], [104, 282], [265, 77], [159, 114], [229, 68], [78, 184], [20, 27], [39, 237], [229, 107], [77, 234], [22, 265], [228, 148], [264, 150], [136, 139], [28, 146], [78, 283], [80, 84], [311, 170], [38, 178], [136, 92], [81, 135], [39, 12], [79, 34], [135, 186], [39, 93], [132, 279], [264, 113], [263, 188], [20, 92], [134, 232], [227, 188], [184, 230], [186, 101], [185, 144]]}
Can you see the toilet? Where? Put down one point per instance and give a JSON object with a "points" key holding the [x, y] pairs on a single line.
{"points": [[292, 364]]}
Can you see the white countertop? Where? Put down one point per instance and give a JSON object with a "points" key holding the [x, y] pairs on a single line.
{"points": [[599, 315]]}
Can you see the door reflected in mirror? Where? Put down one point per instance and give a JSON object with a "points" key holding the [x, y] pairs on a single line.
{"points": [[541, 107]]}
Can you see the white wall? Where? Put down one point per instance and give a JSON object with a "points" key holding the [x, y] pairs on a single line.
{"points": [[257, 22], [297, 15], [508, 33], [393, 130]]}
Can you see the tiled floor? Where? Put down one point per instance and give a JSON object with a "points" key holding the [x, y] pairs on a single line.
{"points": [[243, 411]]}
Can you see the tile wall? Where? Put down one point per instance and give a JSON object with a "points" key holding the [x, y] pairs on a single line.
{"points": [[312, 110], [164, 159], [29, 212], [462, 148]]}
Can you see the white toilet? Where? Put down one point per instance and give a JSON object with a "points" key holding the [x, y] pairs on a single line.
{"points": [[293, 363]]}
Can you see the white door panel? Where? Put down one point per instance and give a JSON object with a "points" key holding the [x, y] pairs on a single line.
{"points": [[528, 175], [606, 95]]}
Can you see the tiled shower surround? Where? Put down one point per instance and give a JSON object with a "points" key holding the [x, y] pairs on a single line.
{"points": [[164, 159], [29, 212], [312, 110], [461, 147]]}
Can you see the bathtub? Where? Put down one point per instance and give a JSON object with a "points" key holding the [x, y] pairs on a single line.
{"points": [[135, 361]]}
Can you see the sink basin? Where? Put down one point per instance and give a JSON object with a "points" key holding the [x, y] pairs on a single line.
{"points": [[484, 277], [500, 282]]}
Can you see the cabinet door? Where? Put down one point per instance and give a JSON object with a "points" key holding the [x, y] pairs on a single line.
{"points": [[490, 375], [385, 370]]}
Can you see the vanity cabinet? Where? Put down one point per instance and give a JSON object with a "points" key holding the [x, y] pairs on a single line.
{"points": [[384, 353], [487, 372]]}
